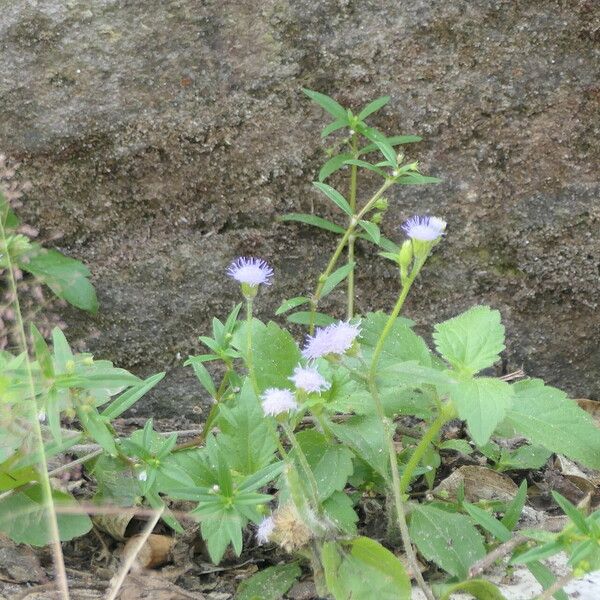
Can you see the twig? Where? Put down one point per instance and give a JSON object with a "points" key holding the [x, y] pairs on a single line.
{"points": [[518, 374], [111, 594], [559, 584]]}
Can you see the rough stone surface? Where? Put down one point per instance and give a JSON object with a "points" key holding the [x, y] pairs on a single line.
{"points": [[164, 138]]}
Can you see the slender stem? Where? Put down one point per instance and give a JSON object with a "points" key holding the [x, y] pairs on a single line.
{"points": [[46, 487], [249, 360], [559, 584], [389, 433], [340, 247], [420, 450], [304, 464], [352, 238]]}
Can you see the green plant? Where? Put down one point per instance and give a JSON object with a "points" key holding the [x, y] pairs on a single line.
{"points": [[299, 432]]}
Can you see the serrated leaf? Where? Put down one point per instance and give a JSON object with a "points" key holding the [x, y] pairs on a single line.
{"points": [[287, 305], [340, 511], [332, 165], [334, 196], [269, 584], [461, 446], [372, 107], [331, 464], [372, 231], [471, 341], [329, 104], [304, 318], [336, 278], [547, 417], [314, 221], [447, 539], [483, 403]]}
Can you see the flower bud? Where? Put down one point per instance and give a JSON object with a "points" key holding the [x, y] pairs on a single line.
{"points": [[381, 204]]}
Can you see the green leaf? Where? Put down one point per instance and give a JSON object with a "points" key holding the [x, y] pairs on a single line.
{"points": [[334, 196], [488, 522], [417, 179], [366, 165], [478, 588], [329, 104], [204, 377], [61, 350], [472, 341], [336, 278], [372, 107], [547, 417], [525, 457], [388, 152], [447, 539], [538, 553], [395, 140], [365, 436], [314, 221], [291, 303], [372, 231], [572, 512], [25, 518], [95, 426], [330, 464], [340, 511], [219, 530], [246, 438], [482, 403], [545, 578], [339, 124], [332, 165], [461, 446], [304, 318], [42, 352], [127, 399], [66, 277], [368, 571], [270, 583], [401, 344], [275, 355], [514, 509]]}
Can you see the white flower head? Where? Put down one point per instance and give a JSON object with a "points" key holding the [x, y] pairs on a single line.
{"points": [[250, 271], [142, 476], [309, 380], [424, 229], [265, 530], [276, 401], [333, 339]]}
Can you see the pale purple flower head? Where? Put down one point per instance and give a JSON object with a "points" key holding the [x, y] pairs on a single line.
{"points": [[424, 229], [265, 529], [276, 401], [333, 339], [309, 380], [251, 271]]}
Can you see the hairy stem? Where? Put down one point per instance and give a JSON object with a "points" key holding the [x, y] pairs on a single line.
{"points": [[249, 360], [57, 555], [559, 584], [352, 238], [340, 247]]}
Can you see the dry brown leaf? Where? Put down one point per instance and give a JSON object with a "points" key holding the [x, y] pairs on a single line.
{"points": [[592, 407], [587, 481], [155, 552], [149, 585], [480, 483], [115, 524], [19, 564]]}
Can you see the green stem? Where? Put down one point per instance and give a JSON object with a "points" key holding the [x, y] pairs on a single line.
{"points": [[304, 464], [249, 360], [417, 455], [46, 486], [340, 247], [389, 433], [352, 238]]}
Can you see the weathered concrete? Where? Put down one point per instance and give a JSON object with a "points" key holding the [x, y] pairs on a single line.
{"points": [[163, 138]]}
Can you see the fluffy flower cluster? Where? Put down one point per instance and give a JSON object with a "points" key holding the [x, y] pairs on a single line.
{"points": [[251, 271], [265, 530], [424, 229], [333, 339], [309, 380], [277, 401]]}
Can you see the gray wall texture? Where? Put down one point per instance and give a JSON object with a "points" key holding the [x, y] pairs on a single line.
{"points": [[163, 138]]}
